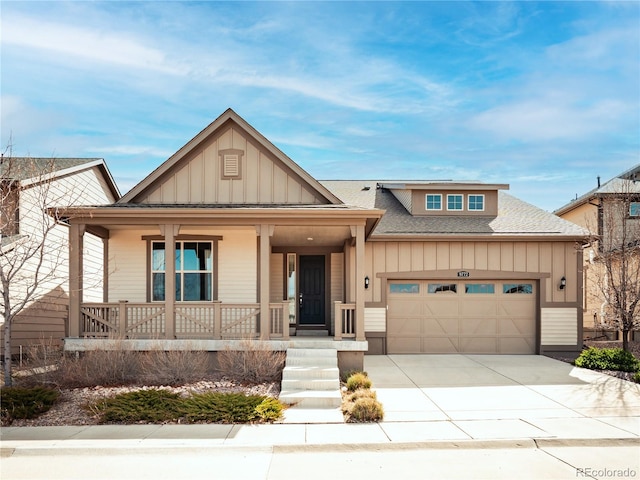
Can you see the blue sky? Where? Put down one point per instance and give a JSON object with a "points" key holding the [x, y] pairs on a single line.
{"points": [[544, 96]]}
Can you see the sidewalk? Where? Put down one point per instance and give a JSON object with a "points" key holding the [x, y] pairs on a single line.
{"points": [[435, 401]]}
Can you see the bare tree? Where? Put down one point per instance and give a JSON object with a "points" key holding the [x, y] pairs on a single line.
{"points": [[33, 243], [615, 264]]}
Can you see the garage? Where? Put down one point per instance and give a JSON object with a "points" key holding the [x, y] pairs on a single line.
{"points": [[475, 317]]}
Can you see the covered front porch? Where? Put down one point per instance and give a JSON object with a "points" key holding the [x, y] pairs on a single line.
{"points": [[249, 277]]}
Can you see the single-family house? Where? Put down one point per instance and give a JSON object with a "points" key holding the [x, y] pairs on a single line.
{"points": [[34, 247], [261, 249], [611, 214]]}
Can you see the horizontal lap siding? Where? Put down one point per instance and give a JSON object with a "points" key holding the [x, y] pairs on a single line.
{"points": [[337, 283], [559, 326], [128, 274], [237, 266]]}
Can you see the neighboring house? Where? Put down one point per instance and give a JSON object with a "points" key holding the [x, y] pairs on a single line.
{"points": [[599, 211], [30, 185], [264, 250]]}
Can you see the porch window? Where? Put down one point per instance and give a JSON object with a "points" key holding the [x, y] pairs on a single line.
{"points": [[194, 271]]}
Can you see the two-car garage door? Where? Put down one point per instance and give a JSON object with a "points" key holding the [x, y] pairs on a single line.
{"points": [[432, 316]]}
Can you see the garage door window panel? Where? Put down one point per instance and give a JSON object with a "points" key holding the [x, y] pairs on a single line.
{"points": [[443, 288], [516, 288], [480, 288], [404, 288]]}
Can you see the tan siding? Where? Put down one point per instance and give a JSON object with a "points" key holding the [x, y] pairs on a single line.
{"points": [[375, 319], [237, 266], [520, 257], [481, 256], [443, 258], [430, 256], [468, 256], [93, 268], [455, 255], [559, 326], [262, 179], [506, 257], [128, 265], [277, 277]]}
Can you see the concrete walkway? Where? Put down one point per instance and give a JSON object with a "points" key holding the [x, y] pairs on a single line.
{"points": [[436, 400]]}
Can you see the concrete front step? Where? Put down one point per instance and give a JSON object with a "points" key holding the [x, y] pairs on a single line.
{"points": [[311, 378], [310, 384], [311, 398], [311, 372]]}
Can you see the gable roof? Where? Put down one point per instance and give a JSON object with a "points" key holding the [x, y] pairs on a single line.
{"points": [[32, 170], [150, 182], [627, 181], [515, 217]]}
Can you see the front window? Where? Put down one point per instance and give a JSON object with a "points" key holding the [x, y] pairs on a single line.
{"points": [[194, 271], [634, 209], [434, 202], [476, 202], [454, 202]]}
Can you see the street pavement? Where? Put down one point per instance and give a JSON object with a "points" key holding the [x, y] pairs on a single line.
{"points": [[446, 416]]}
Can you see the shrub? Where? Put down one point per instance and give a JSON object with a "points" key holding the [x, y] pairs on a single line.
{"points": [[20, 402], [173, 367], [607, 359], [151, 405], [636, 377], [366, 409], [218, 407], [357, 381], [269, 409], [360, 393], [254, 363]]}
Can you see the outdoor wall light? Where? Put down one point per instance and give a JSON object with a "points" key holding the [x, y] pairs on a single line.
{"points": [[366, 282], [563, 283]]}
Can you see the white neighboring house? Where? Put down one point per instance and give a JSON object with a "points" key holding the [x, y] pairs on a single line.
{"points": [[54, 183]]}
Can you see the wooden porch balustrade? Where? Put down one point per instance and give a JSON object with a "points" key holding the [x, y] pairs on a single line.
{"points": [[345, 318], [214, 321]]}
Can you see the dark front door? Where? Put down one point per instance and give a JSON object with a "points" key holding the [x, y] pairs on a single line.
{"points": [[311, 291]]}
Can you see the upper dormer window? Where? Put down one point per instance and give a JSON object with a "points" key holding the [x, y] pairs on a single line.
{"points": [[433, 201], [475, 203], [454, 202]]}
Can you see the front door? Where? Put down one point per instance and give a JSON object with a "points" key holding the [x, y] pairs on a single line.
{"points": [[311, 291]]}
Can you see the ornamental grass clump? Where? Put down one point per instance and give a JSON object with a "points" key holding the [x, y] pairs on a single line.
{"points": [[357, 381], [360, 403]]}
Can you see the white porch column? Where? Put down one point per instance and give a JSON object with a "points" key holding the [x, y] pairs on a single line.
{"points": [[265, 231], [360, 273], [170, 232], [76, 242]]}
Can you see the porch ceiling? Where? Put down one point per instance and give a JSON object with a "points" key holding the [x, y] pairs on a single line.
{"points": [[310, 236]]}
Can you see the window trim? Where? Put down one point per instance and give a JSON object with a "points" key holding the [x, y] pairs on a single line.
{"points": [[481, 195], [426, 202], [214, 239], [451, 195]]}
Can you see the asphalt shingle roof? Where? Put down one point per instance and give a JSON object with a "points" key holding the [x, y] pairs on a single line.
{"points": [[515, 217], [21, 168]]}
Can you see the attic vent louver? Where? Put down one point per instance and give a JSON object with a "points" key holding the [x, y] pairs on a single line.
{"points": [[231, 163]]}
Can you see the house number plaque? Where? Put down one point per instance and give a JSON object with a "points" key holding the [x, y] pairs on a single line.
{"points": [[463, 273]]}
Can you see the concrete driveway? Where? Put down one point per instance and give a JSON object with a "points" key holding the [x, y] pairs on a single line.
{"points": [[500, 396]]}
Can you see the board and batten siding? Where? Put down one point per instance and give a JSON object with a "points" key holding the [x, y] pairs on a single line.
{"points": [[557, 259], [559, 326], [262, 179]]}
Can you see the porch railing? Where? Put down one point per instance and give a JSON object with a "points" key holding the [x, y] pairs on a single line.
{"points": [[192, 320], [345, 320]]}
